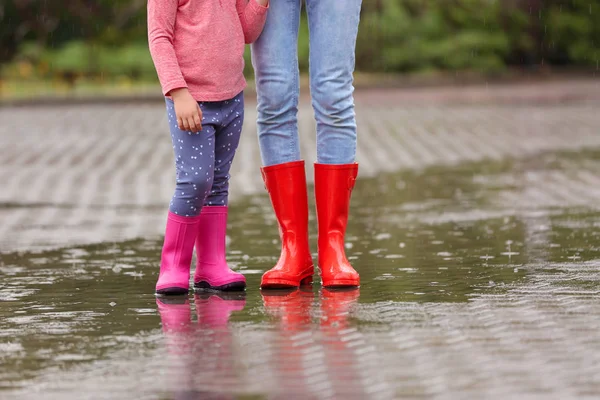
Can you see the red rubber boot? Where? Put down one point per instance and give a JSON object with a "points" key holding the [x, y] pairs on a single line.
{"points": [[333, 187], [286, 184]]}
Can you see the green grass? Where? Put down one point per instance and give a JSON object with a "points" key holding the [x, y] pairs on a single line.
{"points": [[15, 90]]}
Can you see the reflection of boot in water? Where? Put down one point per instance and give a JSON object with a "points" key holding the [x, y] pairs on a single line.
{"points": [[215, 374], [291, 306], [214, 309], [293, 309], [340, 355], [335, 306], [201, 358], [175, 316]]}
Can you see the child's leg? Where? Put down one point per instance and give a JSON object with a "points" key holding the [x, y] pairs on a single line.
{"points": [[227, 139], [212, 271], [194, 162]]}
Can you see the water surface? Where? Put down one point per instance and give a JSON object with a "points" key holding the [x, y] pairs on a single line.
{"points": [[466, 285]]}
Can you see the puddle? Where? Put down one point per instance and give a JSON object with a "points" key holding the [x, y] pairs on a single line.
{"points": [[428, 245]]}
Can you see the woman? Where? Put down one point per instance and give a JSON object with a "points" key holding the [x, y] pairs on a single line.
{"points": [[333, 27]]}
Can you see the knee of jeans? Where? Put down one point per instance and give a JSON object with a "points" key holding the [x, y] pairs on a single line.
{"points": [[333, 101], [276, 97]]}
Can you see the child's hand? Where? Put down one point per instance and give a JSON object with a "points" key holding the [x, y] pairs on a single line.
{"points": [[263, 3], [187, 110]]}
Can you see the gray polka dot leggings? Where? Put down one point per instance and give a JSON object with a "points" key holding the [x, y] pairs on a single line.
{"points": [[203, 159]]}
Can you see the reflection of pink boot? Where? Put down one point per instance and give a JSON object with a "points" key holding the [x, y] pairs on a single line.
{"points": [[175, 313], [212, 271], [214, 309], [176, 258], [175, 316], [214, 345]]}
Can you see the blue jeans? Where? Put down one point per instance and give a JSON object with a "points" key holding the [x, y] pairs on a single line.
{"points": [[203, 159], [333, 26]]}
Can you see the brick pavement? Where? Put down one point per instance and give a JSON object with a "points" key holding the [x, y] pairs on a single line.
{"points": [[93, 173]]}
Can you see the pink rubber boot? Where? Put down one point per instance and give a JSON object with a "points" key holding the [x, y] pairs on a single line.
{"points": [[212, 271], [176, 258]]}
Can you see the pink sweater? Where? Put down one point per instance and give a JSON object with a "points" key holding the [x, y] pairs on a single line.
{"points": [[199, 44]]}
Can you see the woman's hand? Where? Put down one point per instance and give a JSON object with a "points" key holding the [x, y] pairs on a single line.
{"points": [[187, 110], [263, 3]]}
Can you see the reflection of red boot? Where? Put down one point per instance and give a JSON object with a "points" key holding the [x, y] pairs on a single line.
{"points": [[294, 312], [335, 306], [339, 348], [291, 306]]}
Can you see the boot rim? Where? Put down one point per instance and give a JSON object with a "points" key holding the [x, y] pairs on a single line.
{"points": [[351, 166], [277, 167]]}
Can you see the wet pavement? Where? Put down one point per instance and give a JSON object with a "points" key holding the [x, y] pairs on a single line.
{"points": [[93, 173], [464, 294], [480, 280]]}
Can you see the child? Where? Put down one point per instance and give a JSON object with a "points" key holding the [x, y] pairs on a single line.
{"points": [[197, 47]]}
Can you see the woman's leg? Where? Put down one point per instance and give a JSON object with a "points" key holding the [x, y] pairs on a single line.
{"points": [[333, 26], [275, 61]]}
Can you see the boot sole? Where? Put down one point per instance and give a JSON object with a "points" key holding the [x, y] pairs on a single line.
{"points": [[274, 284], [172, 291], [229, 287], [343, 283]]}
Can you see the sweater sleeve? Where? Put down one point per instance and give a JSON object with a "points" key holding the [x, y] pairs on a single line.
{"points": [[253, 17], [161, 26]]}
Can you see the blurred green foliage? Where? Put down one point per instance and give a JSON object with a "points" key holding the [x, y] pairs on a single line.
{"points": [[453, 35], [572, 32], [106, 39]]}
